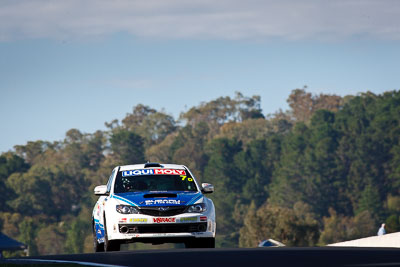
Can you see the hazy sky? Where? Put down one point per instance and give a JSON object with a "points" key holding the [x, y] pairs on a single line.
{"points": [[76, 64]]}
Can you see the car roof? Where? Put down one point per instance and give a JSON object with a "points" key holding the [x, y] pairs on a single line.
{"points": [[141, 166]]}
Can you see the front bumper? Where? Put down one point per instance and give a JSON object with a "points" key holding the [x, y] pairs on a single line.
{"points": [[162, 228], [135, 227]]}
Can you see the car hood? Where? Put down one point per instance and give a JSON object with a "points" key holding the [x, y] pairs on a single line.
{"points": [[148, 199]]}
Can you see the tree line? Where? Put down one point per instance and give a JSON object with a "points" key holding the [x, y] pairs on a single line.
{"points": [[326, 170]]}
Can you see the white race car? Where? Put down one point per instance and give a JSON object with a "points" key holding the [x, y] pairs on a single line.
{"points": [[153, 203]]}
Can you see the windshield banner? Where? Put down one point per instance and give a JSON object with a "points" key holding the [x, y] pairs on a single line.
{"points": [[153, 172]]}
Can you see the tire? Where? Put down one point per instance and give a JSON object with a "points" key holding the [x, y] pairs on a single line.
{"points": [[200, 243], [96, 245], [109, 245]]}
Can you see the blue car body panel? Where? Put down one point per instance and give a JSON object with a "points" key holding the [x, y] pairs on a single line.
{"points": [[142, 199]]}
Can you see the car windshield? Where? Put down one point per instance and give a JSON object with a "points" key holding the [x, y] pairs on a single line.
{"points": [[128, 182]]}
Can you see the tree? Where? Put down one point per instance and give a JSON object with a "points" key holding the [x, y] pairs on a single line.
{"points": [[370, 200], [9, 164], [322, 184], [339, 228], [289, 177], [28, 231], [227, 181], [48, 190], [151, 125], [256, 164], [127, 147], [223, 110], [250, 232], [303, 105], [295, 226], [51, 240], [161, 152], [76, 234], [32, 151], [188, 147]]}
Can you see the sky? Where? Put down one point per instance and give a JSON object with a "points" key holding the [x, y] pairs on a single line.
{"points": [[81, 63]]}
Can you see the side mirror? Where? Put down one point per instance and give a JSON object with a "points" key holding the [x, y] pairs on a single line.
{"points": [[207, 188], [101, 190]]}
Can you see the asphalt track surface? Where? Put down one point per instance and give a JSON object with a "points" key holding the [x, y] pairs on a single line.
{"points": [[283, 256]]}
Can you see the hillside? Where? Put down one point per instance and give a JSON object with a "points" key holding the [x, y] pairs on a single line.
{"points": [[324, 171]]}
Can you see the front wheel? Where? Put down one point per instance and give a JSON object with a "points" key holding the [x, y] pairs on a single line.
{"points": [[96, 245], [109, 245]]}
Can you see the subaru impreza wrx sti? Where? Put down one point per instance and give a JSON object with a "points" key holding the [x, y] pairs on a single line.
{"points": [[153, 203]]}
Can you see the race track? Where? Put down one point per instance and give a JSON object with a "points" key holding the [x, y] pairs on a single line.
{"points": [[322, 256]]}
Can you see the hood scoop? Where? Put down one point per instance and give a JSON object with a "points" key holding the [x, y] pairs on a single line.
{"points": [[161, 195]]}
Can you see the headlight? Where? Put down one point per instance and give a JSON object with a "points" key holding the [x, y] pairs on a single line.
{"points": [[197, 208], [124, 209]]}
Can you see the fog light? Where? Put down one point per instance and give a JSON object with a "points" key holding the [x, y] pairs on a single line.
{"points": [[201, 228], [124, 229]]}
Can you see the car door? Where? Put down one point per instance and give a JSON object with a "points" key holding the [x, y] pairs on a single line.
{"points": [[104, 199]]}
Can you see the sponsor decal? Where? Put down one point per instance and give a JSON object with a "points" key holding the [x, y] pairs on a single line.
{"points": [[189, 219], [138, 220], [98, 210], [164, 220], [122, 220], [153, 172], [203, 218], [184, 177], [137, 172], [169, 171], [162, 201]]}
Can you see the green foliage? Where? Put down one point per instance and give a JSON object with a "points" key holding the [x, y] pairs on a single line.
{"points": [[295, 226], [370, 201], [76, 234], [51, 191], [50, 239], [9, 163], [28, 228], [393, 204], [222, 110], [392, 224], [188, 146], [304, 104], [339, 228], [324, 171], [256, 165], [127, 147], [225, 176], [151, 125]]}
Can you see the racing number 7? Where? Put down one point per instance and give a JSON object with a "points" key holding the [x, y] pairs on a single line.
{"points": [[184, 177]]}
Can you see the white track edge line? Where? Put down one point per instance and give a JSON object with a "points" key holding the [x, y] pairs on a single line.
{"points": [[65, 261]]}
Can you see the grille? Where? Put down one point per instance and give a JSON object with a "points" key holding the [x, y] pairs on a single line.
{"points": [[154, 211], [165, 228]]}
